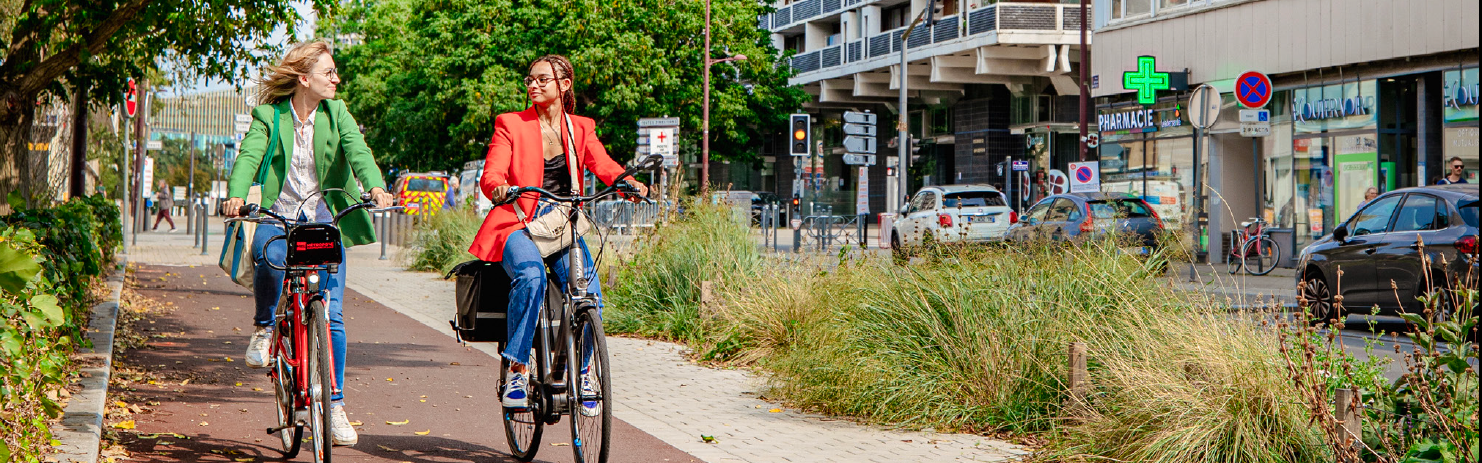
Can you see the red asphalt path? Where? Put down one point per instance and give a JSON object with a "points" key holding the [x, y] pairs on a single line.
{"points": [[397, 370]]}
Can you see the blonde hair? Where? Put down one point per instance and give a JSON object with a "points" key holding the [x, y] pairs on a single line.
{"points": [[281, 81]]}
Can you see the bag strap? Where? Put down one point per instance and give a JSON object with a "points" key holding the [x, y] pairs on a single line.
{"points": [[267, 163], [571, 157]]}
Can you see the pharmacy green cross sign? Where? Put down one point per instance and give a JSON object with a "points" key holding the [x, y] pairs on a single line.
{"points": [[1146, 80]]}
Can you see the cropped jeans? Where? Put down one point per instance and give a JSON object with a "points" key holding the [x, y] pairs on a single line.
{"points": [[527, 272], [267, 287]]}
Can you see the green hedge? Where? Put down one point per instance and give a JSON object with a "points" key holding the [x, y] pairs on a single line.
{"points": [[49, 259]]}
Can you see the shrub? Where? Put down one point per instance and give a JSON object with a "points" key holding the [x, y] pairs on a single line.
{"points": [[49, 258], [442, 240]]}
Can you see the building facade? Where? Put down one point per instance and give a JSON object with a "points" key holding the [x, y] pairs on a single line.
{"points": [[1377, 93], [982, 79], [208, 116]]}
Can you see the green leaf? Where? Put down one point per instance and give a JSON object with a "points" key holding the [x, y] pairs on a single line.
{"points": [[1414, 319], [47, 304], [16, 268], [17, 202]]}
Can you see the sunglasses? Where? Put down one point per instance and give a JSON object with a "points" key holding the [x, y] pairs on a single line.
{"points": [[1456, 166]]}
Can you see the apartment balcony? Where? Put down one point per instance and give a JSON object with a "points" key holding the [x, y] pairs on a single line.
{"points": [[1002, 43]]}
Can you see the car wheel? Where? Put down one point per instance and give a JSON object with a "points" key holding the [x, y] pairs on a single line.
{"points": [[898, 253], [1319, 297]]}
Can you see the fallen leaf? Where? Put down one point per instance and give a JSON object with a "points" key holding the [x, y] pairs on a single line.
{"points": [[422, 433], [356, 423], [388, 379], [203, 423], [398, 423], [560, 444], [256, 389], [707, 439], [388, 449], [775, 410], [229, 359], [239, 384], [187, 381], [216, 308], [245, 459], [424, 400], [121, 404], [124, 425]]}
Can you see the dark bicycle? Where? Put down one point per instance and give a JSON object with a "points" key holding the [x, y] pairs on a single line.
{"points": [[302, 367], [568, 363]]}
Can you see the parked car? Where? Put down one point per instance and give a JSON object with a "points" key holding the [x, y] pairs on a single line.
{"points": [[469, 190], [1380, 250], [953, 213], [1082, 216], [421, 192]]}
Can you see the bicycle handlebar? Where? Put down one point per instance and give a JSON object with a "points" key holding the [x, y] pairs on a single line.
{"points": [[622, 185], [247, 211]]}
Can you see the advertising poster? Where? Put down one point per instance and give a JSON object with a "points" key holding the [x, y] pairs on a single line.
{"points": [[1357, 169]]}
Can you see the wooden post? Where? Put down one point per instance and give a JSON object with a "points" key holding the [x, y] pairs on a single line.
{"points": [[1345, 403], [707, 295], [1078, 382]]}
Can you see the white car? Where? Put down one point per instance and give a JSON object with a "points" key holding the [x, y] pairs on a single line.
{"points": [[954, 213]]}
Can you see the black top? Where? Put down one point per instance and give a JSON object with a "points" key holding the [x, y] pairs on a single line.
{"points": [[557, 176]]}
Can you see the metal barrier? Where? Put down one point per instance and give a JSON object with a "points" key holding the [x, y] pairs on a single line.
{"points": [[625, 216], [393, 229], [770, 222], [825, 231]]}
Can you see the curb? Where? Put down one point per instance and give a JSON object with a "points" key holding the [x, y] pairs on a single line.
{"points": [[81, 430]]}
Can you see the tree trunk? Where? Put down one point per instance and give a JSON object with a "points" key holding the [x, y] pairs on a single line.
{"points": [[17, 115]]}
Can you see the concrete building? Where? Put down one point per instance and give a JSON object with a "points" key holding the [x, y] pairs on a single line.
{"points": [[1366, 93], [981, 79]]}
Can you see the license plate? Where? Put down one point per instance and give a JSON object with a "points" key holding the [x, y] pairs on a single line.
{"points": [[983, 219]]}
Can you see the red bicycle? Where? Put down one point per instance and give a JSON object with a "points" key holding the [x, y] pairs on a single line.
{"points": [[1252, 249], [299, 354]]}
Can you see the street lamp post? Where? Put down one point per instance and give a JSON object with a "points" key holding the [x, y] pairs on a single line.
{"points": [[705, 105]]}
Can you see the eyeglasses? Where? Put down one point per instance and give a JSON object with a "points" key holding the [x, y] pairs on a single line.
{"points": [[329, 72], [542, 80]]}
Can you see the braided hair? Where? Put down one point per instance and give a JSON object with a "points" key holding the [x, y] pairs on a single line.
{"points": [[562, 67]]}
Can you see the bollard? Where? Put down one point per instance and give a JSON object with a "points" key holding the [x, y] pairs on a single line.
{"points": [[864, 232], [381, 227], [1077, 381], [190, 223], [205, 223], [797, 240]]}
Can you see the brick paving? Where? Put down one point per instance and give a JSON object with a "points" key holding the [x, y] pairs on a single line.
{"points": [[656, 389]]}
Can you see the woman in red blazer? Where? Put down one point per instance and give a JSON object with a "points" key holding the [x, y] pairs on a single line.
{"points": [[528, 149]]}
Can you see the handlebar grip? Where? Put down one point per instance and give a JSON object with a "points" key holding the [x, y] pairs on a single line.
{"points": [[247, 209]]}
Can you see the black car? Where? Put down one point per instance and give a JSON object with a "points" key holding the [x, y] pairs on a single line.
{"points": [[1379, 250], [1075, 216]]}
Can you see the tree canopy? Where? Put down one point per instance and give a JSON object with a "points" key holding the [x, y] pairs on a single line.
{"points": [[429, 76]]}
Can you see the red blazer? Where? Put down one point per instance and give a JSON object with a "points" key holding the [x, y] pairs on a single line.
{"points": [[516, 158]]}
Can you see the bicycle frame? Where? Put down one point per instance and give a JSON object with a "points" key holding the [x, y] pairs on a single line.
{"points": [[299, 291]]}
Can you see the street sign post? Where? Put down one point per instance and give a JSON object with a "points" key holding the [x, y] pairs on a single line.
{"points": [[1204, 107], [859, 145], [131, 99], [1085, 177], [242, 122], [154, 145], [859, 159]]}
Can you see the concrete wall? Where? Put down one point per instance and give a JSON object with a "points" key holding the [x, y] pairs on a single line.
{"points": [[1283, 36], [1232, 187]]}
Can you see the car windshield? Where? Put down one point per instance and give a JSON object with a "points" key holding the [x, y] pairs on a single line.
{"points": [[973, 199], [1119, 208], [1468, 214], [425, 184]]}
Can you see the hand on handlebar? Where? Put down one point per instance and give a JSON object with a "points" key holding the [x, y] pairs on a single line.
{"points": [[382, 198], [233, 207], [500, 193], [637, 191]]}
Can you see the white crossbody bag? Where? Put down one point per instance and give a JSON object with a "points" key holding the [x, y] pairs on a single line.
{"points": [[550, 231]]}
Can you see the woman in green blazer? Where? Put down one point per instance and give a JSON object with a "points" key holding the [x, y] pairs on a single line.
{"points": [[318, 147]]}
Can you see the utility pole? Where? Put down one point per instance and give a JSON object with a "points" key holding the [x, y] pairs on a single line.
{"points": [[1085, 87], [140, 141], [903, 140], [77, 187], [190, 186], [125, 213], [705, 105]]}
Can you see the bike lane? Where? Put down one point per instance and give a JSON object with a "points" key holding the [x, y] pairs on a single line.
{"points": [[418, 396]]}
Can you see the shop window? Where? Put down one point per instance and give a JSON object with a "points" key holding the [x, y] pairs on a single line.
{"points": [[941, 121], [1312, 204]]}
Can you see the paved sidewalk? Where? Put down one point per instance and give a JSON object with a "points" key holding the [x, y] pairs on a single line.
{"points": [[657, 390]]}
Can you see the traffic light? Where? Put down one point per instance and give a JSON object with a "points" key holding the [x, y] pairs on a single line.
{"points": [[802, 134]]}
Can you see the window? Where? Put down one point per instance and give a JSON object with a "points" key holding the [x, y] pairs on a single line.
{"points": [[1061, 211], [1421, 213], [1469, 214], [426, 184], [925, 200], [1375, 218], [1119, 209], [1037, 213], [973, 199], [895, 17]]}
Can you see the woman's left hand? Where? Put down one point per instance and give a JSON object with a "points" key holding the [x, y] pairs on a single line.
{"points": [[382, 198]]}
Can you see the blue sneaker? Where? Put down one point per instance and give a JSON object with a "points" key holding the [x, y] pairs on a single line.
{"points": [[589, 404], [514, 392]]}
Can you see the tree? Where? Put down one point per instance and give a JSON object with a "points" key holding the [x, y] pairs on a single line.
{"points": [[431, 75], [51, 47]]}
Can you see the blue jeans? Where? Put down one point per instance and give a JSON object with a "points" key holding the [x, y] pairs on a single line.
{"points": [[527, 272], [267, 286]]}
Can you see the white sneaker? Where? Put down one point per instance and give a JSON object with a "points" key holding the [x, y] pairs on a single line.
{"points": [[257, 348], [590, 406], [515, 395], [340, 430]]}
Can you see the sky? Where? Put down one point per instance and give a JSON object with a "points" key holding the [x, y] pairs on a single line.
{"points": [[303, 31]]}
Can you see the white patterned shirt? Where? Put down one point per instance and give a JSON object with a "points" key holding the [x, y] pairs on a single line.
{"points": [[301, 188]]}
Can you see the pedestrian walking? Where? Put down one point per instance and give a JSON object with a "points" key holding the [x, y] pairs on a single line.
{"points": [[1369, 195], [326, 151], [166, 202], [529, 149]]}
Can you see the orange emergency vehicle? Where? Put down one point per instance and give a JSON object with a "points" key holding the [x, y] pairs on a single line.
{"points": [[421, 192]]}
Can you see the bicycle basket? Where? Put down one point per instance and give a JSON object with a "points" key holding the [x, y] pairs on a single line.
{"points": [[314, 244], [483, 301]]}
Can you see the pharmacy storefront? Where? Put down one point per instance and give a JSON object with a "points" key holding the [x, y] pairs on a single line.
{"points": [[1149, 151]]}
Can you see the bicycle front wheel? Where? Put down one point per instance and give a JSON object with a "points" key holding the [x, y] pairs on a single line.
{"points": [[1261, 255], [284, 388], [1233, 260], [591, 419], [321, 382]]}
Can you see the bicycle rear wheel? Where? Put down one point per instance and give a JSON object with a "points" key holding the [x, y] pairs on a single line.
{"points": [[321, 382], [1261, 255], [591, 405], [284, 388], [522, 427]]}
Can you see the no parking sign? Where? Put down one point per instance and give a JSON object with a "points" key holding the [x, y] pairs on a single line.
{"points": [[1085, 177]]}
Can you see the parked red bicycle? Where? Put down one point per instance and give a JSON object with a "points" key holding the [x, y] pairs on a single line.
{"points": [[1252, 249]]}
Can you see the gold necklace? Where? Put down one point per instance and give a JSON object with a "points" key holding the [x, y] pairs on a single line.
{"points": [[545, 130]]}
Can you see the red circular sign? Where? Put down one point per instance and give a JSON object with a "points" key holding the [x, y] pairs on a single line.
{"points": [[130, 99], [1253, 89]]}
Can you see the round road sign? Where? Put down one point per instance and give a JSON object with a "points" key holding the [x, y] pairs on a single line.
{"points": [[131, 99], [1253, 89], [1083, 174], [1059, 183], [1093, 140]]}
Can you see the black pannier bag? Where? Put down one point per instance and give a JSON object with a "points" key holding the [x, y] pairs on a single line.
{"points": [[483, 301]]}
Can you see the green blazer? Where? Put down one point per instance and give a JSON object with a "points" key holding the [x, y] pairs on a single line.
{"points": [[339, 153]]}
